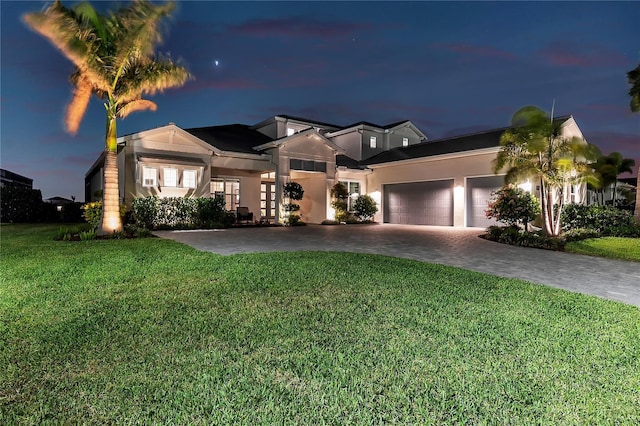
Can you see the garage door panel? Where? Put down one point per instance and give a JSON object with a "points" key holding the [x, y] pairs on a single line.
{"points": [[419, 203], [479, 192]]}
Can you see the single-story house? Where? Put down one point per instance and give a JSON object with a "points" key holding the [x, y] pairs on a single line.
{"points": [[9, 178], [413, 180]]}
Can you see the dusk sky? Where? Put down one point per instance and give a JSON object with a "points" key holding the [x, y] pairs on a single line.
{"points": [[451, 68]]}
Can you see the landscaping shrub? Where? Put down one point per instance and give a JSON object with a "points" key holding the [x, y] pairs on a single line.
{"points": [[210, 212], [605, 220], [365, 207], [181, 213], [512, 206], [293, 191], [176, 212], [579, 234], [145, 211], [20, 205], [514, 236], [71, 212], [92, 213], [340, 194]]}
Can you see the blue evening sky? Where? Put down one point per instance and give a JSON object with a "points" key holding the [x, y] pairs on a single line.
{"points": [[449, 67]]}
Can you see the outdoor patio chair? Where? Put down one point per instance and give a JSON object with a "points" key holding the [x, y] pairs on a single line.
{"points": [[243, 214]]}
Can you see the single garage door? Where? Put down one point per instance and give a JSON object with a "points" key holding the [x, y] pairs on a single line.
{"points": [[478, 194], [419, 203]]}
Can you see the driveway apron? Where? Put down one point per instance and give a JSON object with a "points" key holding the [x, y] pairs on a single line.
{"points": [[611, 279]]}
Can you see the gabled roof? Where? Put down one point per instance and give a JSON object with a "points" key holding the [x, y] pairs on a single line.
{"points": [[231, 137], [474, 141], [306, 120], [308, 133], [369, 124]]}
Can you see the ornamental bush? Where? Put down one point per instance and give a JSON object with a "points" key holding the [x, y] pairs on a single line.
{"points": [[365, 207], [92, 213], [340, 195], [605, 220], [210, 212], [513, 206]]}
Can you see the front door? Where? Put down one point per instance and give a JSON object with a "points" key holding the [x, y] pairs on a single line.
{"points": [[268, 201]]}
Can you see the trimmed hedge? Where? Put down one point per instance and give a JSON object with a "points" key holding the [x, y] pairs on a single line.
{"points": [[181, 213], [605, 220]]}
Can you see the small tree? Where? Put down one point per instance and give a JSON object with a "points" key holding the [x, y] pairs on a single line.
{"points": [[513, 206], [365, 207], [293, 191], [340, 195]]}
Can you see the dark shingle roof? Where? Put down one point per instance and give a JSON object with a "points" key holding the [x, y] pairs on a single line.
{"points": [[470, 142], [306, 120], [368, 123], [346, 161], [231, 137]]}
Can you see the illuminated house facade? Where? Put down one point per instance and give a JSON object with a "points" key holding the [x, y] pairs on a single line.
{"points": [[414, 181]]}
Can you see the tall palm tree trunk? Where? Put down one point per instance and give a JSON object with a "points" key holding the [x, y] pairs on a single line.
{"points": [[111, 221], [636, 212]]}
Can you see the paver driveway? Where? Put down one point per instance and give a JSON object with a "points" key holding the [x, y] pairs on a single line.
{"points": [[612, 279]]}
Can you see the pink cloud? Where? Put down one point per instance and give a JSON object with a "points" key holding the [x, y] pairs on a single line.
{"points": [[581, 54], [297, 27], [472, 49], [609, 141]]}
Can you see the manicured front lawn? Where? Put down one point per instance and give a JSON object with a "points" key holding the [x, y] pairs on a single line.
{"points": [[611, 247], [151, 331]]}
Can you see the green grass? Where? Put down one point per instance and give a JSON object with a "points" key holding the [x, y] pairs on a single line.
{"points": [[153, 332], [611, 247]]}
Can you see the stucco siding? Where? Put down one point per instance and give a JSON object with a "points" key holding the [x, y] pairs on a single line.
{"points": [[313, 206], [431, 169], [352, 144]]}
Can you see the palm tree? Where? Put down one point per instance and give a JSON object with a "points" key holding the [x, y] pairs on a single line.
{"points": [[633, 77], [534, 147], [114, 59], [609, 167]]}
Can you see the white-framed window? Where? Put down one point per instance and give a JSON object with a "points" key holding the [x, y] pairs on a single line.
{"points": [[190, 179], [228, 189], [149, 176], [373, 142], [354, 191], [405, 141], [170, 177], [290, 131]]}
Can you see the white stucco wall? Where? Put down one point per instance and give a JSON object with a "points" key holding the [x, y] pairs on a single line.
{"points": [[432, 168]]}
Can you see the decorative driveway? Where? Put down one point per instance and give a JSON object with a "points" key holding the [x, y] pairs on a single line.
{"points": [[462, 247]]}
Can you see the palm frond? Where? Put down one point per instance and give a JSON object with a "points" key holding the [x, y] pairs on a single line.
{"points": [[149, 78], [134, 106], [79, 102], [138, 32], [75, 41]]}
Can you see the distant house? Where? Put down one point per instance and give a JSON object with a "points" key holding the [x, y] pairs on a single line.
{"points": [[415, 181], [8, 178], [58, 202]]}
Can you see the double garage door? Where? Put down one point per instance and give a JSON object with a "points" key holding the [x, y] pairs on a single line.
{"points": [[431, 203]]}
